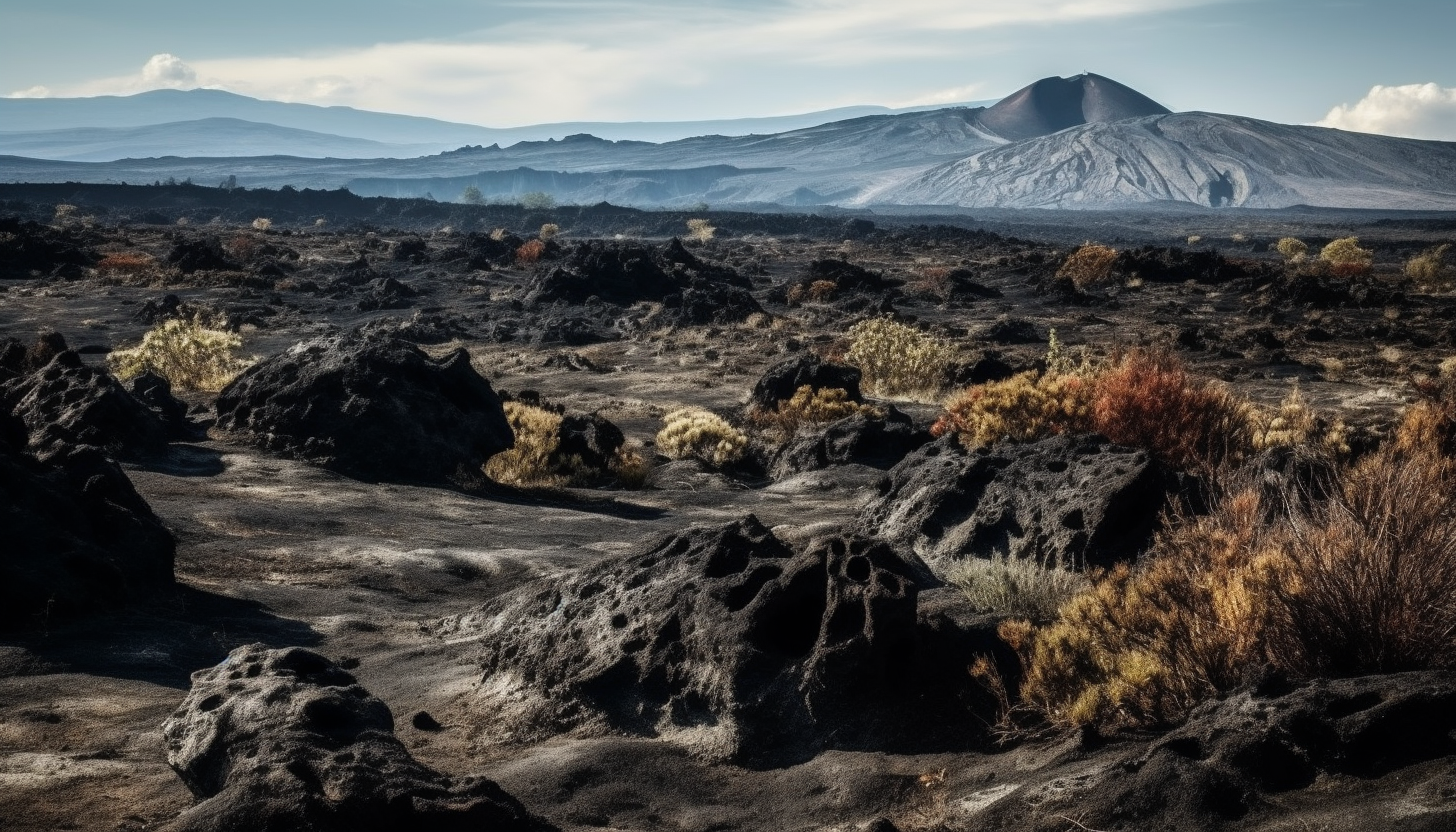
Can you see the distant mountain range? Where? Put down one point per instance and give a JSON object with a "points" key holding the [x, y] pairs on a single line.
{"points": [[1081, 142]]}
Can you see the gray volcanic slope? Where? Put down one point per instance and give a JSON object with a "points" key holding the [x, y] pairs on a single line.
{"points": [[1201, 158], [1053, 104]]}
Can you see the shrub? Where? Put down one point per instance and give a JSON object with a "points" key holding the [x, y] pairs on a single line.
{"points": [[1294, 250], [1088, 266], [700, 434], [1429, 265], [1150, 400], [810, 406], [187, 354], [700, 230], [530, 251], [549, 230], [1016, 586], [1294, 423], [129, 264], [1025, 407], [262, 224], [631, 468], [896, 359], [1346, 258], [472, 196]]}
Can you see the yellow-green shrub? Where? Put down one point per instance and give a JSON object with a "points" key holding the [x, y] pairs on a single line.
{"points": [[896, 359], [1022, 408], [187, 354], [1293, 249], [1346, 258], [701, 434], [1429, 265], [810, 406], [533, 460]]}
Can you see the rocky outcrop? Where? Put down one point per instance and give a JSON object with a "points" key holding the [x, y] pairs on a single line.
{"points": [[369, 405], [274, 740], [66, 404], [862, 439], [625, 273], [28, 249], [78, 539], [728, 642], [204, 254], [1071, 499], [782, 380]]}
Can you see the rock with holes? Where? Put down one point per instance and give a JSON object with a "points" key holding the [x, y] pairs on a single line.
{"points": [[67, 404], [371, 405], [275, 740], [77, 538], [879, 441], [1075, 499], [730, 643], [1245, 761]]}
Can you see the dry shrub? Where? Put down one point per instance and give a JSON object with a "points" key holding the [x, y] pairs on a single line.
{"points": [[530, 251], [896, 359], [262, 224], [533, 460], [1429, 265], [1431, 422], [810, 406], [1346, 258], [819, 291], [934, 281], [1150, 400], [1359, 583], [126, 264], [700, 230], [1025, 407], [1294, 423], [1294, 250], [1089, 266], [242, 247], [549, 230], [1023, 587], [630, 467], [701, 434], [186, 353]]}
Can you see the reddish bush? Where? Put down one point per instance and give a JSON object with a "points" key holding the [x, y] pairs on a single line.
{"points": [[531, 251]]}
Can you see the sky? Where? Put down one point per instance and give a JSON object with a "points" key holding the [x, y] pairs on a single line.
{"points": [[1385, 66]]}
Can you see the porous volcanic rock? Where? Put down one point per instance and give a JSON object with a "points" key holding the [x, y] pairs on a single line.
{"points": [[370, 405], [77, 537], [67, 404], [1242, 759], [625, 273], [862, 439], [782, 380], [274, 740], [706, 302], [1074, 499], [729, 643]]}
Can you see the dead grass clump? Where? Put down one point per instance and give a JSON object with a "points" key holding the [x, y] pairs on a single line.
{"points": [[630, 466], [818, 291], [898, 360], [810, 406], [1150, 400], [1023, 587], [703, 435], [548, 231], [262, 224], [530, 252], [1294, 423], [130, 264], [1088, 266], [186, 353], [532, 461]]}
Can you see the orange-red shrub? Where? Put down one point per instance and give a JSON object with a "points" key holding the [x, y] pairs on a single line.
{"points": [[531, 251]]}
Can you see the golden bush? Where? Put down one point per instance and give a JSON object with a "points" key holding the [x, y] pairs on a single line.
{"points": [[1346, 258], [532, 461], [1023, 408], [1089, 266], [1293, 249], [1294, 423], [810, 406], [700, 230], [701, 434], [186, 353], [262, 224], [1429, 265], [549, 231], [898, 360]]}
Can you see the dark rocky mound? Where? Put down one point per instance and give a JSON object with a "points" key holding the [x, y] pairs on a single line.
{"points": [[483, 251], [1176, 265], [727, 642], [625, 273], [1072, 499], [275, 740], [370, 405], [782, 380], [27, 247], [204, 254], [1008, 330], [1326, 291], [386, 293], [77, 537], [1053, 104], [705, 302], [849, 287], [591, 438], [1248, 757], [964, 286], [66, 404], [859, 439], [412, 250]]}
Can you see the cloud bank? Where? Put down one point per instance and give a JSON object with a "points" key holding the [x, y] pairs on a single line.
{"points": [[1415, 111]]}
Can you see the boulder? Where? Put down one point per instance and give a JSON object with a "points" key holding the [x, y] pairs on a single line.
{"points": [[624, 273], [1071, 499], [706, 302], [370, 405], [78, 539], [66, 404], [859, 439], [386, 293], [205, 254], [591, 438], [275, 740], [726, 641], [28, 249], [1009, 330], [782, 380]]}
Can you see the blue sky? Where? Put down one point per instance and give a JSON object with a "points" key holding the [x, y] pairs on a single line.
{"points": [[511, 63]]}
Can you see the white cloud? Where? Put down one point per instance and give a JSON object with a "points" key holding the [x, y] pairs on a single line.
{"points": [[954, 95], [1417, 111], [166, 70], [33, 92]]}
